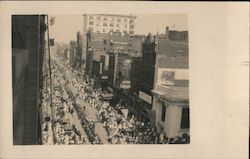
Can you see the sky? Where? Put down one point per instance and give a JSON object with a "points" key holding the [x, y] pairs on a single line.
{"points": [[66, 26]]}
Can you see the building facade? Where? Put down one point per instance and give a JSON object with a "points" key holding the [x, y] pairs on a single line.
{"points": [[79, 61], [72, 54], [28, 46], [146, 79], [100, 44], [106, 23], [171, 85]]}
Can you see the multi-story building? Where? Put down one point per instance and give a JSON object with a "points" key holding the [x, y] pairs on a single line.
{"points": [[28, 32], [106, 23], [136, 77], [145, 81], [72, 54], [99, 44], [79, 51], [144, 68], [171, 85], [119, 70]]}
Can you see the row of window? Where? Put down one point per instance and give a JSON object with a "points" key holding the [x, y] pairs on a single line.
{"points": [[111, 25], [112, 30], [112, 19]]}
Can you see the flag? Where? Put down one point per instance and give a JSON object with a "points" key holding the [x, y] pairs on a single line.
{"points": [[52, 20]]}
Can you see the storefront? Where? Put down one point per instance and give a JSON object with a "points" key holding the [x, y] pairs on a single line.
{"points": [[171, 115]]}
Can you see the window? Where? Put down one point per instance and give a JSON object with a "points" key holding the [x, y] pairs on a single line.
{"points": [[125, 26], [132, 26], [104, 24], [185, 118], [119, 19], [111, 24], [91, 17], [91, 29], [98, 18], [104, 30], [118, 25], [131, 32], [91, 23], [105, 18], [163, 112], [131, 21], [104, 41]]}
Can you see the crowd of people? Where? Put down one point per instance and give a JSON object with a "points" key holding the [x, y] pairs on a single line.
{"points": [[120, 128], [59, 130]]}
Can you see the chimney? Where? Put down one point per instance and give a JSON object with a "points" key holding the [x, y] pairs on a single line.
{"points": [[167, 32]]}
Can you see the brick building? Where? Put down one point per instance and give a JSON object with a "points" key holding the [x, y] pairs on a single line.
{"points": [[99, 44], [171, 85], [106, 23]]}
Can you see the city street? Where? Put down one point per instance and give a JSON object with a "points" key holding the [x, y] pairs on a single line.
{"points": [[100, 97], [85, 115]]}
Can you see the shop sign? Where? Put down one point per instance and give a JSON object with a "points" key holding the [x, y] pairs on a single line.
{"points": [[147, 98]]}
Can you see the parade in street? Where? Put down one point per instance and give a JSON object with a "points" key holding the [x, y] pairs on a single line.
{"points": [[81, 117], [103, 82]]}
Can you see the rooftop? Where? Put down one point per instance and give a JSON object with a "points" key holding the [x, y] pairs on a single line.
{"points": [[172, 53], [111, 15]]}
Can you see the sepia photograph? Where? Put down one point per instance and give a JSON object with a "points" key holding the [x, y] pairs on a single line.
{"points": [[124, 79], [100, 79]]}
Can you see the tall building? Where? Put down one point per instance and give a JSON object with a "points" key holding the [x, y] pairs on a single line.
{"points": [[28, 32], [72, 54], [146, 81], [99, 44], [106, 23], [79, 50], [171, 85]]}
